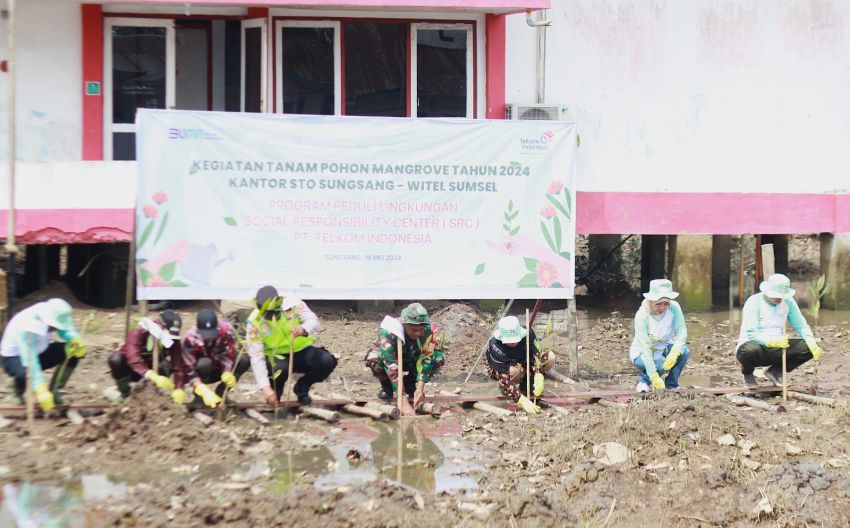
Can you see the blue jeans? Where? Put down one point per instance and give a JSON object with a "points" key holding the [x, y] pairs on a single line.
{"points": [[672, 381]]}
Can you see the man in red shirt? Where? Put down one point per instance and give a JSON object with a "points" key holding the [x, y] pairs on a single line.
{"points": [[209, 355], [133, 361]]}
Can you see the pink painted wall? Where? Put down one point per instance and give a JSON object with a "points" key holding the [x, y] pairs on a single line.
{"points": [[597, 213]]}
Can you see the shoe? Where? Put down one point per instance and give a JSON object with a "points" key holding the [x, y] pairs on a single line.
{"points": [[775, 376], [642, 387], [304, 398], [750, 381], [385, 394]]}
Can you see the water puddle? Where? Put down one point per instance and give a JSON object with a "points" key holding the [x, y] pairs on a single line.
{"points": [[30, 505], [427, 457]]}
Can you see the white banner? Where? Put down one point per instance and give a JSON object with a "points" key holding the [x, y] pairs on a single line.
{"points": [[353, 208]]}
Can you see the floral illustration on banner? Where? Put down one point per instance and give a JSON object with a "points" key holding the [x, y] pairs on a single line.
{"points": [[546, 266], [162, 270]]}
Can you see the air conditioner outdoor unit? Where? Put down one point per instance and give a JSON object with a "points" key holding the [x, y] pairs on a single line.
{"points": [[539, 112]]}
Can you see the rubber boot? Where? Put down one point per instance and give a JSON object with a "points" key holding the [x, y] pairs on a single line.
{"points": [[123, 385], [386, 392], [57, 383], [302, 392], [17, 397], [219, 390]]}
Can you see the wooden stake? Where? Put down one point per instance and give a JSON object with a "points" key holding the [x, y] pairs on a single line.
{"points": [[784, 375], [155, 363], [131, 277], [741, 277], [819, 400], [399, 451], [527, 357], [288, 386], [400, 378], [572, 337]]}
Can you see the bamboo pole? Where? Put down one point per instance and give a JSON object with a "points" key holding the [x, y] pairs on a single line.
{"points": [[131, 278], [289, 369], [481, 406], [756, 404], [400, 378], [324, 414], [527, 357], [819, 400], [784, 375], [389, 410], [741, 277], [572, 337], [371, 412]]}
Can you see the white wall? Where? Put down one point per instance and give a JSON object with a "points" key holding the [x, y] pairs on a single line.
{"points": [[48, 58], [698, 96]]}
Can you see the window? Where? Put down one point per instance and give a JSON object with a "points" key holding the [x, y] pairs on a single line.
{"points": [[395, 69]]}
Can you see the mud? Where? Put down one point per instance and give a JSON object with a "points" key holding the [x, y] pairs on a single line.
{"points": [[655, 462]]}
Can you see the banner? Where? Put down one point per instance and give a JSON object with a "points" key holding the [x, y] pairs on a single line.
{"points": [[353, 207]]}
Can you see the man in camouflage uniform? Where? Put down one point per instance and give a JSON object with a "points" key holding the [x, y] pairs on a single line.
{"points": [[423, 355]]}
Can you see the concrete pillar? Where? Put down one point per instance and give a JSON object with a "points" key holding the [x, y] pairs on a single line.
{"points": [[653, 259], [692, 271], [835, 263], [780, 251], [721, 264]]}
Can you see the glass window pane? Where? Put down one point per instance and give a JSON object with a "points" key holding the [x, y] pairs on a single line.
{"points": [[138, 71], [124, 146], [375, 69], [253, 57], [307, 62], [441, 79]]}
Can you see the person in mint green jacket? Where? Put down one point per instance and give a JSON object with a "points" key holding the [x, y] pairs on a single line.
{"points": [[659, 346], [763, 337]]}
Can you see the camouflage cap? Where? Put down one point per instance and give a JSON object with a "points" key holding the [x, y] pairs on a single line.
{"points": [[415, 314]]}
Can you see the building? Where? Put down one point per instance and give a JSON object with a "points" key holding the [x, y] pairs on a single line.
{"points": [[701, 119]]}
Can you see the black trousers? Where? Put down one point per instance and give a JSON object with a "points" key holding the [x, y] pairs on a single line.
{"points": [[209, 374], [121, 368], [52, 356], [752, 354], [315, 363]]}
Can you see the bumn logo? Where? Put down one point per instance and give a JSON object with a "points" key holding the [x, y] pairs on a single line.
{"points": [[190, 133]]}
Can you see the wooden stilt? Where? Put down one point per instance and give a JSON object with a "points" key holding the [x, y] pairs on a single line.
{"points": [[572, 337]]}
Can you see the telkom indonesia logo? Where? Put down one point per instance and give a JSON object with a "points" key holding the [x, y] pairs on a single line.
{"points": [[547, 137], [191, 133]]}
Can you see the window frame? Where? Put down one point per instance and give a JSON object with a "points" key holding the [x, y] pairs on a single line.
{"points": [[338, 23], [414, 64]]}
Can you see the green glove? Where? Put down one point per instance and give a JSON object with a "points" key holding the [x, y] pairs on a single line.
{"points": [[537, 389], [779, 342], [814, 348], [657, 382], [44, 397], [210, 398], [672, 358], [75, 348], [528, 405], [228, 379], [161, 382], [178, 395]]}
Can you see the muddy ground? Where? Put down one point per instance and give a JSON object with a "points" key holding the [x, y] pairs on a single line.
{"points": [[668, 460]]}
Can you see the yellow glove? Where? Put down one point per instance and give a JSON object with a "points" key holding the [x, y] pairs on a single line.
{"points": [[44, 397], [528, 405], [672, 358], [161, 382], [814, 348], [779, 342], [75, 348], [657, 382], [537, 388], [228, 379], [178, 395], [210, 398]]}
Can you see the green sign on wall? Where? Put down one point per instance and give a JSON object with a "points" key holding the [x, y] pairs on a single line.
{"points": [[92, 88]]}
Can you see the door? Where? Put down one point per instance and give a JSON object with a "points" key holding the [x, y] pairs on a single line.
{"points": [[139, 72], [253, 75]]}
